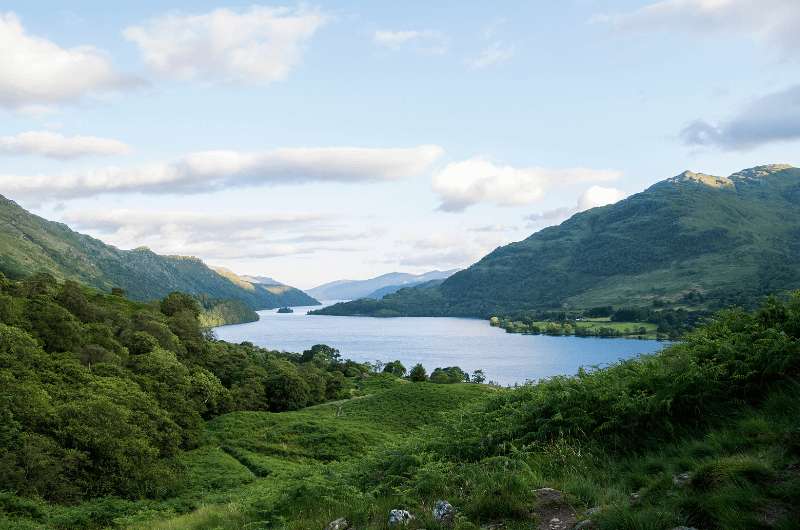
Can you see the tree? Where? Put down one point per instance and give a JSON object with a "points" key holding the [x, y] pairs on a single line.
{"points": [[448, 375], [175, 303], [395, 368], [478, 376], [322, 354], [418, 373]]}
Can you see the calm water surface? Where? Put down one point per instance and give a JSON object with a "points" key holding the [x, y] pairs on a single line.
{"points": [[471, 344]]}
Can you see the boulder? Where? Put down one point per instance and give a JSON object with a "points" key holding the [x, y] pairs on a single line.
{"points": [[682, 479], [443, 512], [400, 517], [338, 524], [546, 496]]}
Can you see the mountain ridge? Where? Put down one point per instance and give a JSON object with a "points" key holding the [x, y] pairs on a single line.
{"points": [[372, 287], [30, 244], [717, 240]]}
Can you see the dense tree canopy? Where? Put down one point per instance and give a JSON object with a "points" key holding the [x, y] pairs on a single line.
{"points": [[99, 394]]}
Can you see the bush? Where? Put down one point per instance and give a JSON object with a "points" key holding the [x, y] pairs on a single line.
{"points": [[418, 373]]}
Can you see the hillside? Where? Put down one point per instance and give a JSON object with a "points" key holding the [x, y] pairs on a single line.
{"points": [[693, 241], [374, 287], [119, 423], [30, 244]]}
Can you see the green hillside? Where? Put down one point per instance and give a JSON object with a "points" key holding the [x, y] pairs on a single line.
{"points": [[124, 415], [30, 244], [693, 241]]}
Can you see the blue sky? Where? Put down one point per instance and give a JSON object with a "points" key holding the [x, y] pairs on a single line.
{"points": [[317, 141]]}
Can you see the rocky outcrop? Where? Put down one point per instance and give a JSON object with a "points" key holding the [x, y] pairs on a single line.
{"points": [[444, 513], [400, 517], [338, 524]]}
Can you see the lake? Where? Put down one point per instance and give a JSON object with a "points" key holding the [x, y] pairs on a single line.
{"points": [[436, 342]]}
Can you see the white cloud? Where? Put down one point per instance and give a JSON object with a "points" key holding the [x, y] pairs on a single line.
{"points": [[773, 22], [492, 55], [593, 197], [229, 236], [462, 184], [258, 45], [597, 196], [213, 170], [421, 40], [36, 73], [54, 145], [771, 118]]}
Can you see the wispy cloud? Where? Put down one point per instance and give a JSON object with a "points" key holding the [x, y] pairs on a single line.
{"points": [[257, 45], [427, 41], [767, 119], [214, 170], [773, 22], [54, 145], [477, 180], [36, 73], [492, 55]]}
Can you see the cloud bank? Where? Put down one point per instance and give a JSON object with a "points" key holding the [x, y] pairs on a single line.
{"points": [[771, 118], [257, 45], [54, 145], [35, 72], [214, 170], [473, 181], [228, 236]]}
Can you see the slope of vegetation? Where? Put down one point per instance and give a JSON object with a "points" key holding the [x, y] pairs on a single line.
{"points": [[226, 312], [30, 244], [704, 434], [723, 241], [101, 394]]}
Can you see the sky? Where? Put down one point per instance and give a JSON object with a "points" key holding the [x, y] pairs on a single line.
{"points": [[316, 141]]}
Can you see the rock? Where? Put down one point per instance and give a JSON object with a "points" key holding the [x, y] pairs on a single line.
{"points": [[548, 496], [682, 479], [443, 512], [400, 517], [338, 524], [635, 497], [552, 510]]}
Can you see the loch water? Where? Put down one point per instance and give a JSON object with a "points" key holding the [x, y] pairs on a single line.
{"points": [[437, 342]]}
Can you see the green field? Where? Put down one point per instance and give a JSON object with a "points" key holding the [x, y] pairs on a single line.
{"points": [[593, 327]]}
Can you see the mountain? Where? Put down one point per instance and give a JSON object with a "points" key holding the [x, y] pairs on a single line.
{"points": [[374, 287], [30, 244], [260, 279], [694, 241]]}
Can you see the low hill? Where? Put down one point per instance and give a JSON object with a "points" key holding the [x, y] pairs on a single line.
{"points": [[374, 287], [31, 244], [692, 241]]}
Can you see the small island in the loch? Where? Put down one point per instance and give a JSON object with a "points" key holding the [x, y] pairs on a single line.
{"points": [[285, 310]]}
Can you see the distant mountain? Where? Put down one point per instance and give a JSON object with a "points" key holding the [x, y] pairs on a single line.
{"points": [[693, 241], [371, 288], [260, 279], [30, 244]]}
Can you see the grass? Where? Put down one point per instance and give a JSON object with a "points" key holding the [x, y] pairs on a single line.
{"points": [[602, 327], [362, 457]]}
